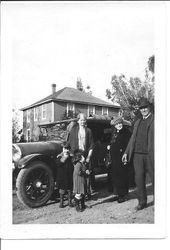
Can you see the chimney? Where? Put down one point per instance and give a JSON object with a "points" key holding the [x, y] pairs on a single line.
{"points": [[53, 88]]}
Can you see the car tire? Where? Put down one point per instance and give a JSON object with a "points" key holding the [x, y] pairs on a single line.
{"points": [[35, 184]]}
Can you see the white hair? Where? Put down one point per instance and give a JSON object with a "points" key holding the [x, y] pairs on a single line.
{"points": [[81, 115]]}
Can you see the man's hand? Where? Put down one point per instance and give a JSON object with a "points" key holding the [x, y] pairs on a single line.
{"points": [[124, 159], [88, 159], [87, 172], [64, 158], [89, 155]]}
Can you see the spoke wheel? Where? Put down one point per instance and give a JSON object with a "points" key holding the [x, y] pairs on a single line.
{"points": [[35, 184]]}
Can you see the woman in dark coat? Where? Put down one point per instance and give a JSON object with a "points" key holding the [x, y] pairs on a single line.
{"points": [[119, 172]]}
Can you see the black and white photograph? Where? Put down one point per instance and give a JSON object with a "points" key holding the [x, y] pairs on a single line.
{"points": [[82, 119]]}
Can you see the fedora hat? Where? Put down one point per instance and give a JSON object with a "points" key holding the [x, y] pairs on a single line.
{"points": [[143, 103]]}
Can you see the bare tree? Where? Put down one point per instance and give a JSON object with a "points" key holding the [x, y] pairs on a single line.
{"points": [[15, 126]]}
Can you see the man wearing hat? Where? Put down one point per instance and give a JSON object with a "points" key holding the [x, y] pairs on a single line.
{"points": [[141, 148]]}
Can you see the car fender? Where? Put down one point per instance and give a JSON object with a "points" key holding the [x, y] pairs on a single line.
{"points": [[26, 160]]}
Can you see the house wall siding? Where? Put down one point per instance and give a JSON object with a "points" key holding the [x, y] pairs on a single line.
{"points": [[59, 110], [33, 125], [48, 113], [81, 108], [113, 112]]}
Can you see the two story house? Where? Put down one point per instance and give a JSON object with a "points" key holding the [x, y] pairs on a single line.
{"points": [[58, 105]]}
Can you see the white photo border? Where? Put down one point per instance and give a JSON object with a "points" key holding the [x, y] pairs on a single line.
{"points": [[73, 231]]}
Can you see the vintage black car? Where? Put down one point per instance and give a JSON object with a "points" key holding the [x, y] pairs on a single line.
{"points": [[35, 164]]}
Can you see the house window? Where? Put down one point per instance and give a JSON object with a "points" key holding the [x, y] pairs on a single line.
{"points": [[28, 135], [104, 111], [35, 114], [91, 110], [44, 111], [70, 108], [44, 131], [28, 115], [43, 134]]}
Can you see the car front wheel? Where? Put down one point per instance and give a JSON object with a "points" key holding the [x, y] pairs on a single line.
{"points": [[35, 184]]}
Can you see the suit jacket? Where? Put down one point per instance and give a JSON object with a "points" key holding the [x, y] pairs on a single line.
{"points": [[130, 147], [73, 139]]}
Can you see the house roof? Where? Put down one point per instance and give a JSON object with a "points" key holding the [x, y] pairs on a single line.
{"points": [[72, 95]]}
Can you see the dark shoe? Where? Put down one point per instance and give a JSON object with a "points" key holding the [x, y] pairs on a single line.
{"points": [[77, 204], [115, 198], [121, 199], [140, 207], [82, 203], [81, 207]]}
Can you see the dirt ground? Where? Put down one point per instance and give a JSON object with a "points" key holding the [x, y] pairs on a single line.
{"points": [[102, 209]]}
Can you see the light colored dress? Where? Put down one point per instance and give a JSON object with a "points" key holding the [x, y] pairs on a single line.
{"points": [[79, 178], [81, 138]]}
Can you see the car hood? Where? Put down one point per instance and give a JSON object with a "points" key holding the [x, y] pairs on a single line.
{"points": [[46, 148]]}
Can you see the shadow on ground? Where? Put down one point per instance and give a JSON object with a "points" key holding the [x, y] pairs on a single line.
{"points": [[100, 195], [110, 197]]}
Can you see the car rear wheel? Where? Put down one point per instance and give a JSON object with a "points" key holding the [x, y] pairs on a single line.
{"points": [[35, 184]]}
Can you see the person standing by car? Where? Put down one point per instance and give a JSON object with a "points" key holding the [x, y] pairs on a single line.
{"points": [[119, 174], [80, 138], [79, 180], [141, 149], [65, 174]]}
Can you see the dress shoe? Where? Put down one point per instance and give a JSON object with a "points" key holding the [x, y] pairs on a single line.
{"points": [[140, 207], [115, 198], [121, 199]]}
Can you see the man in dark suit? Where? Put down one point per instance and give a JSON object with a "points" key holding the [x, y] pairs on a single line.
{"points": [[141, 148]]}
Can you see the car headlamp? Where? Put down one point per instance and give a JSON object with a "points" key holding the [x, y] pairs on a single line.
{"points": [[16, 153]]}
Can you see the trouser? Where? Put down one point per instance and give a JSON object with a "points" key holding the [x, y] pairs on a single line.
{"points": [[122, 181], [143, 165], [109, 180]]}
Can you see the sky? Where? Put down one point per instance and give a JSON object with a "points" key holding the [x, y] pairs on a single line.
{"points": [[56, 42]]}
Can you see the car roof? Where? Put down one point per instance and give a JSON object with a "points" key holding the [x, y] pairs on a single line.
{"points": [[93, 119]]}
